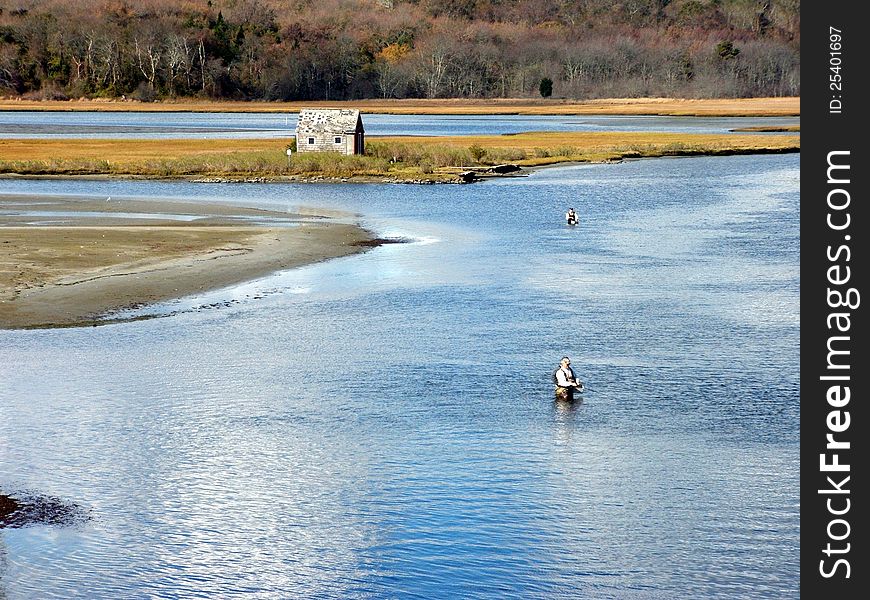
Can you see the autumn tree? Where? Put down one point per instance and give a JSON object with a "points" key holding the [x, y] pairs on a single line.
{"points": [[339, 49]]}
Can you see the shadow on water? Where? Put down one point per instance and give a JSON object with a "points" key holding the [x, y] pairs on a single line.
{"points": [[26, 509]]}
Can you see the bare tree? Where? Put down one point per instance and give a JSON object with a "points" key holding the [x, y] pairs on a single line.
{"points": [[200, 54], [148, 59], [179, 62], [8, 75], [106, 63], [432, 68]]}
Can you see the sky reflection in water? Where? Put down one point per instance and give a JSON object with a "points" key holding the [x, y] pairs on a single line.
{"points": [[383, 425]]}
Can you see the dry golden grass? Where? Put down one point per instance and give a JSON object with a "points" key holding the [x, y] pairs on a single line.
{"points": [[602, 141], [135, 151], [402, 157], [149, 158], [125, 151], [521, 106]]}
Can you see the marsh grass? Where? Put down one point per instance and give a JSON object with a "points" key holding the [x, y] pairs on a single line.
{"points": [[431, 158], [329, 164]]}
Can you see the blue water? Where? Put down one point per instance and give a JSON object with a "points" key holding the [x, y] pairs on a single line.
{"points": [[383, 425], [38, 124]]}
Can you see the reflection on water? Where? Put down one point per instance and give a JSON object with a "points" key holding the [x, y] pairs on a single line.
{"points": [[384, 425], [565, 416]]}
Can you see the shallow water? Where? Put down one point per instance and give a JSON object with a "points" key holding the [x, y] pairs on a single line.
{"points": [[383, 425], [39, 124]]}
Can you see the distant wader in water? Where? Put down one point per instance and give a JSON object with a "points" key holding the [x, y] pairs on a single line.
{"points": [[571, 217]]}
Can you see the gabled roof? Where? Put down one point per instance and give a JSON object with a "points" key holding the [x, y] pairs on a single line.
{"points": [[328, 120]]}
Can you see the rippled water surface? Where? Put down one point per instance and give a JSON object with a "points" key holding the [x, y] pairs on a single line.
{"points": [[383, 425], [30, 124]]}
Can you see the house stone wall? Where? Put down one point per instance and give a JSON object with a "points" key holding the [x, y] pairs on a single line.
{"points": [[324, 125]]}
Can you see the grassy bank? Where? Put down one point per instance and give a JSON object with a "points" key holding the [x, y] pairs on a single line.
{"points": [[731, 107], [400, 158]]}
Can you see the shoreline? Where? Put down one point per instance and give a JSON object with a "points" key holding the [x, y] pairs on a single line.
{"points": [[707, 107], [76, 272]]}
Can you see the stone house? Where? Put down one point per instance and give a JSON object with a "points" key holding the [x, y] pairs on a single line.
{"points": [[330, 130]]}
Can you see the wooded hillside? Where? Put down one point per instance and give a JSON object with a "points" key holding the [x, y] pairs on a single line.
{"points": [[350, 49]]}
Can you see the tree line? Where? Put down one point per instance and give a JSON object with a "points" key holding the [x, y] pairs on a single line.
{"points": [[351, 49]]}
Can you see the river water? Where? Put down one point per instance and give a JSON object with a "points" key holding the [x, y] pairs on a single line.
{"points": [[383, 425], [108, 125]]}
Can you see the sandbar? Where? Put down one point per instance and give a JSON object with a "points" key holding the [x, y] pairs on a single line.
{"points": [[67, 261]]}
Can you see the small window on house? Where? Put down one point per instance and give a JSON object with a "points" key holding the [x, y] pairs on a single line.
{"points": [[310, 141], [338, 139]]}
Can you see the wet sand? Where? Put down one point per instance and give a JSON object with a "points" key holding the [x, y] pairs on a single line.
{"points": [[68, 261]]}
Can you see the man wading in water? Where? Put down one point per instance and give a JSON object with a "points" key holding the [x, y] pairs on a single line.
{"points": [[571, 217], [566, 382]]}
